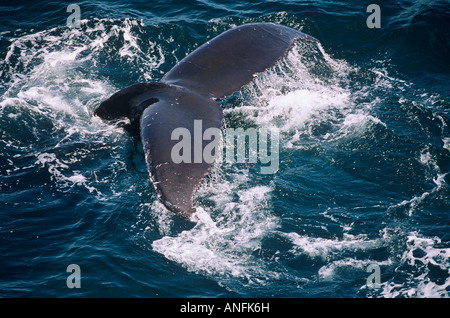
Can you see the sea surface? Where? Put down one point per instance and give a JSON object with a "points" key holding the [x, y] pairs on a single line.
{"points": [[359, 206]]}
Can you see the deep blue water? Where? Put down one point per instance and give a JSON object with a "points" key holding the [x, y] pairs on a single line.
{"points": [[363, 179]]}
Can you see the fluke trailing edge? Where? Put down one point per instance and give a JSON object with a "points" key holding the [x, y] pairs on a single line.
{"points": [[189, 92]]}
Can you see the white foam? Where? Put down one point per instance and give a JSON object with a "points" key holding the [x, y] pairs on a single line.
{"points": [[51, 76], [299, 106], [327, 248], [61, 173], [223, 245], [446, 141], [308, 89], [330, 271], [434, 174], [420, 282]]}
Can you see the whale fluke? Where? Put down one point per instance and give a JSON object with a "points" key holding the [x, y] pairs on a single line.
{"points": [[189, 93]]}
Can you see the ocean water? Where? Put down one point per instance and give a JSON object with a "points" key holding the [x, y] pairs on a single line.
{"points": [[359, 207]]}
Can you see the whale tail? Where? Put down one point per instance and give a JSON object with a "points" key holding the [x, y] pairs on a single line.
{"points": [[187, 94]]}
